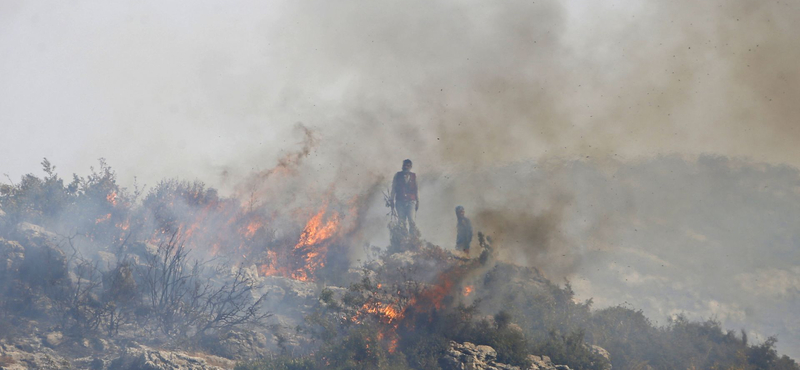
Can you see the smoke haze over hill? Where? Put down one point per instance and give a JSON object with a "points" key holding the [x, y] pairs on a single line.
{"points": [[551, 114]]}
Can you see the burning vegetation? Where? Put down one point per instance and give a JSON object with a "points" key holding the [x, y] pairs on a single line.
{"points": [[180, 267]]}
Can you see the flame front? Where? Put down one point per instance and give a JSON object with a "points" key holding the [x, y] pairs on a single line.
{"points": [[387, 313], [309, 253], [311, 250]]}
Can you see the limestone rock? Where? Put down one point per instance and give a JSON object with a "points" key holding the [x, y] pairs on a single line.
{"points": [[295, 293], [240, 345], [106, 261], [35, 234], [53, 339], [16, 358], [3, 221], [146, 358], [45, 263], [602, 353], [11, 256], [468, 356], [544, 363]]}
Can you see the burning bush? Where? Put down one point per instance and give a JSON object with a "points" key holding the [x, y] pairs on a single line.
{"points": [[127, 271]]}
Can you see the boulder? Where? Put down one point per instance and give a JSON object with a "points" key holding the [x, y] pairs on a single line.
{"points": [[53, 339], [468, 356], [239, 345], [544, 363], [34, 234], [142, 249], [11, 256], [146, 358], [3, 221], [16, 358], [600, 351], [106, 261], [44, 263], [295, 293]]}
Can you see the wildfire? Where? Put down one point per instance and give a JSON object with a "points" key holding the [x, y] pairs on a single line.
{"points": [[310, 252], [112, 198], [317, 231], [251, 228], [387, 313], [435, 295], [467, 290], [103, 219], [270, 268]]}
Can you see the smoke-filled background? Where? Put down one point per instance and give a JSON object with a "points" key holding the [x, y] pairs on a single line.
{"points": [[646, 150]]}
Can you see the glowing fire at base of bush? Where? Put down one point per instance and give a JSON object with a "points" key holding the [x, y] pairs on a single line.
{"points": [[309, 254]]}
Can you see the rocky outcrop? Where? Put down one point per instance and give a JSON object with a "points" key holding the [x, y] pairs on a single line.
{"points": [[45, 264], [11, 256], [468, 356], [146, 358], [25, 356], [34, 234], [3, 221], [544, 363], [600, 351]]}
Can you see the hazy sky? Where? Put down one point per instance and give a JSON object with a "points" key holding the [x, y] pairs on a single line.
{"points": [[193, 88], [469, 90]]}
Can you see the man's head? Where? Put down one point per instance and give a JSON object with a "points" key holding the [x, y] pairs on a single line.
{"points": [[407, 165], [460, 211]]}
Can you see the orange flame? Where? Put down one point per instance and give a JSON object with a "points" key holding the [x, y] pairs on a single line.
{"points": [[251, 228], [387, 313], [124, 226], [270, 268], [467, 290], [112, 198], [103, 219], [309, 254]]}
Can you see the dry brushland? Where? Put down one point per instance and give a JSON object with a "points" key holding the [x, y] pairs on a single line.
{"points": [[94, 276]]}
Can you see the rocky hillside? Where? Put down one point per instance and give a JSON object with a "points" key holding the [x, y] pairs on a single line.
{"points": [[91, 276]]}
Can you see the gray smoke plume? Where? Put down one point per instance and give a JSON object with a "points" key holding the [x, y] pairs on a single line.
{"points": [[473, 91]]}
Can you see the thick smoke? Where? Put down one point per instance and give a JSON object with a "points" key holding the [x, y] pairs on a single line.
{"points": [[215, 93], [470, 90], [461, 84]]}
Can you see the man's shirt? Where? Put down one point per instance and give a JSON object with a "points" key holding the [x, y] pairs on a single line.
{"points": [[404, 186]]}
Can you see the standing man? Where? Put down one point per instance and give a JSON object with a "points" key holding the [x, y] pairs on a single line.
{"points": [[404, 196], [463, 231]]}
